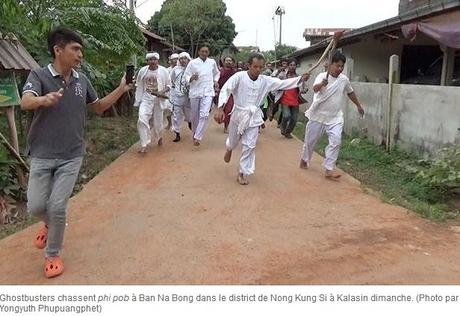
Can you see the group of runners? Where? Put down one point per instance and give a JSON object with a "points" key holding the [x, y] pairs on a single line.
{"points": [[59, 95]]}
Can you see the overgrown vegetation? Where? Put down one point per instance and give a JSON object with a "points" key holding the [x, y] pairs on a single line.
{"points": [[107, 138], [111, 37], [442, 173], [400, 177]]}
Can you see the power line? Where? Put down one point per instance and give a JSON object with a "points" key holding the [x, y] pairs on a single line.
{"points": [[142, 3]]}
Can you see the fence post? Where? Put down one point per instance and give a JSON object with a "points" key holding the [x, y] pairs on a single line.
{"points": [[349, 72], [448, 62], [393, 78]]}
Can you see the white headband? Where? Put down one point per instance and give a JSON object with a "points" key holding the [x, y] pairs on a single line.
{"points": [[152, 55], [174, 56], [185, 54]]}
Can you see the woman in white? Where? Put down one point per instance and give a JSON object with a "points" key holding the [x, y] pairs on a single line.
{"points": [[249, 89], [179, 95], [203, 75], [152, 85]]}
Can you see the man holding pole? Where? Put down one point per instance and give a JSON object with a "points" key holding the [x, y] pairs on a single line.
{"points": [[325, 114]]}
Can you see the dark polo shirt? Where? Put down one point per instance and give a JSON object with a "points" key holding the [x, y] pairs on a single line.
{"points": [[58, 132]]}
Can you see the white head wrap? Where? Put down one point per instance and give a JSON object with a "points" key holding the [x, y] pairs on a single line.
{"points": [[174, 56], [152, 55], [185, 54]]}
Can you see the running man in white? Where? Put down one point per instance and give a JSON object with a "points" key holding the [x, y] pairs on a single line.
{"points": [[152, 85], [167, 113], [325, 114], [203, 75], [179, 95], [249, 89]]}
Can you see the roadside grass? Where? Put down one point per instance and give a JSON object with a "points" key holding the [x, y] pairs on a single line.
{"points": [[388, 174]]}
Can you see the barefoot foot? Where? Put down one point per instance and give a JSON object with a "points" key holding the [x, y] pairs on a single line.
{"points": [[242, 179]]}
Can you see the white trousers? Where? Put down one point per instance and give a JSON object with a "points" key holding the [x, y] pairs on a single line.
{"points": [[200, 108], [313, 132], [150, 112], [248, 144], [181, 112]]}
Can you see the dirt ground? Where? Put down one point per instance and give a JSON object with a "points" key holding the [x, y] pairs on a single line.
{"points": [[177, 216]]}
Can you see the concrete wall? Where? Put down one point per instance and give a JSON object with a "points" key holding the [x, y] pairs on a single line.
{"points": [[426, 118], [371, 57], [374, 98]]}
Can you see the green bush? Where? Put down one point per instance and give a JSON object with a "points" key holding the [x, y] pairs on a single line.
{"points": [[443, 173], [8, 182]]}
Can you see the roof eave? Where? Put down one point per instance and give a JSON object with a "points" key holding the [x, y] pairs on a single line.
{"points": [[394, 22]]}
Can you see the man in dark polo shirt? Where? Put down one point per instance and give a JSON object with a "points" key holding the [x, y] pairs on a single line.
{"points": [[59, 96]]}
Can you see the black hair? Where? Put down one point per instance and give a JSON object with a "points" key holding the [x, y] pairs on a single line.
{"points": [[203, 45], [258, 56], [292, 60], [338, 56], [61, 37], [233, 59]]}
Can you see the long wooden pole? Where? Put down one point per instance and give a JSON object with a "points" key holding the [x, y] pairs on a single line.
{"points": [[14, 136], [13, 152], [330, 47]]}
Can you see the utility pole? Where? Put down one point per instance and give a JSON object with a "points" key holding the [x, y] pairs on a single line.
{"points": [[280, 11], [274, 37], [132, 5]]}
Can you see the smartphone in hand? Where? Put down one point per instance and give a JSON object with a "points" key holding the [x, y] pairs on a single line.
{"points": [[129, 74]]}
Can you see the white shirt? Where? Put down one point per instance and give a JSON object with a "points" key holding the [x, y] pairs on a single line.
{"points": [[208, 74], [327, 103], [179, 83], [249, 94], [162, 81], [151, 83]]}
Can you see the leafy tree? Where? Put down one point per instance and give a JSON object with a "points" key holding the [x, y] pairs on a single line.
{"points": [[243, 54], [110, 33], [193, 23], [281, 52]]}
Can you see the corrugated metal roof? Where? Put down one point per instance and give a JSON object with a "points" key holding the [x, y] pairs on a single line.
{"points": [[411, 16], [13, 56], [162, 40], [151, 34]]}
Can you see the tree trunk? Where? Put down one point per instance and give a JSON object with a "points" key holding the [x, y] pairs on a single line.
{"points": [[198, 44], [192, 47]]}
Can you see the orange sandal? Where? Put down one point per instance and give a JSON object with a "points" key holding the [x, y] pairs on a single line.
{"points": [[53, 267], [41, 237]]}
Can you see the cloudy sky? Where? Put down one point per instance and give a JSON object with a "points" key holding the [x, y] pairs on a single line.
{"points": [[254, 23]]}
